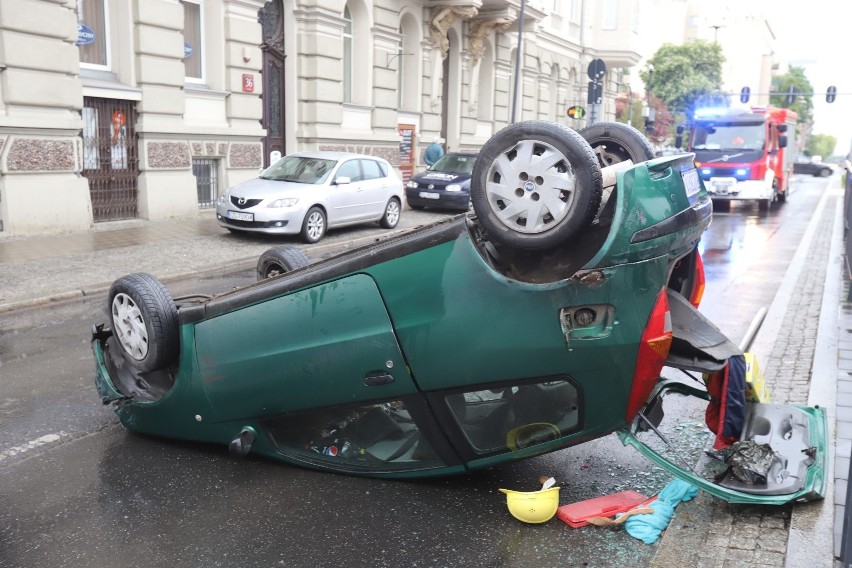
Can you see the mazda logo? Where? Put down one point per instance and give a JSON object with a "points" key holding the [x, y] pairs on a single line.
{"points": [[241, 201]]}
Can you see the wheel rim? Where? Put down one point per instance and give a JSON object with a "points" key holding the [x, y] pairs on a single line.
{"points": [[130, 326], [392, 213], [316, 225], [530, 187], [274, 270], [610, 153]]}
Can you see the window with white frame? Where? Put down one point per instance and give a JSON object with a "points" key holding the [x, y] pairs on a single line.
{"points": [[193, 40], [93, 33], [347, 55], [610, 15]]}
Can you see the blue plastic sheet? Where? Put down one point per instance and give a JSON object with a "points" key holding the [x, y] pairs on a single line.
{"points": [[648, 528]]}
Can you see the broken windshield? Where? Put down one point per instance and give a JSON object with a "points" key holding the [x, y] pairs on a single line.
{"points": [[729, 136]]}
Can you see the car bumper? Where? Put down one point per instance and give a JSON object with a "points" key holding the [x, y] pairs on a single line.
{"points": [[731, 189], [284, 221], [444, 199]]}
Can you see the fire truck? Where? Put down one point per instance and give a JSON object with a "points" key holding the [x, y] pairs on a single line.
{"points": [[742, 154]]}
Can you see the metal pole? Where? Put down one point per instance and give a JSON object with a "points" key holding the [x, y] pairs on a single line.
{"points": [[630, 108], [518, 60]]}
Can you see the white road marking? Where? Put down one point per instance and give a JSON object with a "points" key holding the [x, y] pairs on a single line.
{"points": [[31, 445]]}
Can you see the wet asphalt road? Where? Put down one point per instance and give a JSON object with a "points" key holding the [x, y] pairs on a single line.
{"points": [[78, 490]]}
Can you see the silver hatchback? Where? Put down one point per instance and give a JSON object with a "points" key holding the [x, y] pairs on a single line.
{"points": [[309, 192]]}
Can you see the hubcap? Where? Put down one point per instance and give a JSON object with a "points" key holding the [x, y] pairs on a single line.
{"points": [[530, 187], [392, 213], [129, 326], [316, 226]]}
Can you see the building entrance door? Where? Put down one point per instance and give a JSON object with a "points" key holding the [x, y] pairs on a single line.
{"points": [[272, 22], [110, 158]]}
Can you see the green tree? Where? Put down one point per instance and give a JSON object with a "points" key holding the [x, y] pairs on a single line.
{"points": [[821, 145], [682, 74], [803, 105], [622, 110]]}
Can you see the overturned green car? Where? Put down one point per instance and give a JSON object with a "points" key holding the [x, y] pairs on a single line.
{"points": [[538, 321]]}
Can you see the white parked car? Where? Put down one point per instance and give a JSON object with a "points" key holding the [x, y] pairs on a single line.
{"points": [[309, 192]]}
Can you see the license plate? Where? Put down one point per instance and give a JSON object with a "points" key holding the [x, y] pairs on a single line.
{"points": [[721, 188], [238, 216], [690, 181], [428, 195]]}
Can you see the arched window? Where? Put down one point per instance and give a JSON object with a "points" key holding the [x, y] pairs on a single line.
{"points": [[485, 100], [409, 61], [347, 55], [553, 111]]}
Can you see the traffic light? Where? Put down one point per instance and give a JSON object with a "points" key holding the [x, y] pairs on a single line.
{"points": [[831, 94], [791, 95], [576, 112], [745, 93]]}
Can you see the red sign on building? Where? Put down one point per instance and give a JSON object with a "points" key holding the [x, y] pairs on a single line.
{"points": [[248, 83]]}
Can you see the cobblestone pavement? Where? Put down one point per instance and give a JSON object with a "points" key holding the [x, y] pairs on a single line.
{"points": [[745, 536]]}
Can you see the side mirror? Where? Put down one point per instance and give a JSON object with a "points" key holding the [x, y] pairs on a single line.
{"points": [[782, 128], [678, 141], [342, 180], [782, 141]]}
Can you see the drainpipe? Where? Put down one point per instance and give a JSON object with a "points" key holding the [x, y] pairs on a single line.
{"points": [[518, 61]]}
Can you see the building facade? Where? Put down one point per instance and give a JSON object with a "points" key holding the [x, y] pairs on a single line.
{"points": [[122, 109]]}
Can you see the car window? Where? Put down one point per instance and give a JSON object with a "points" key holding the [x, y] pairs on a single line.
{"points": [[371, 169], [351, 170], [369, 437], [300, 169], [516, 417], [454, 164]]}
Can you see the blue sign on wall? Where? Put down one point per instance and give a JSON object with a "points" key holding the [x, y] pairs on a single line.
{"points": [[85, 34], [187, 50]]}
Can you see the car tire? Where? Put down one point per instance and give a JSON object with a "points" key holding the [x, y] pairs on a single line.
{"points": [[280, 260], [535, 185], [824, 172], [144, 321], [390, 219], [615, 142], [314, 225]]}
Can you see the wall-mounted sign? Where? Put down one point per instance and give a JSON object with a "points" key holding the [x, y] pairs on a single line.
{"points": [[187, 50], [248, 83], [85, 34]]}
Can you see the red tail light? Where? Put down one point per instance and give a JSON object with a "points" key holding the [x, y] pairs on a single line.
{"points": [[698, 281], [653, 350]]}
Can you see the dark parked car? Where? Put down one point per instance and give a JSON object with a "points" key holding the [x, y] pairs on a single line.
{"points": [[539, 321], [814, 167], [444, 185]]}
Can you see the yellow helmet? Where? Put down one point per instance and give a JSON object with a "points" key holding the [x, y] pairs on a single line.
{"points": [[533, 506]]}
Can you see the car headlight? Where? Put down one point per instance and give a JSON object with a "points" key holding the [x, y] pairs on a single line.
{"points": [[223, 199], [412, 184], [285, 202], [453, 187]]}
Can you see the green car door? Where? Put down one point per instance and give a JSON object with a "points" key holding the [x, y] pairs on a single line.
{"points": [[320, 373]]}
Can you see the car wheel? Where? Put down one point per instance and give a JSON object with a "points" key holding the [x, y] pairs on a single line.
{"points": [[280, 260], [825, 172], [314, 225], [391, 216], [144, 321], [614, 142], [535, 185]]}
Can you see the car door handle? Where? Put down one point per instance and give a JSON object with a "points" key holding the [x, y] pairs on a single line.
{"points": [[379, 378]]}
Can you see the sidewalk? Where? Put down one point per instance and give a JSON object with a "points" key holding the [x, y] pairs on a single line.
{"points": [[34, 272], [805, 345]]}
